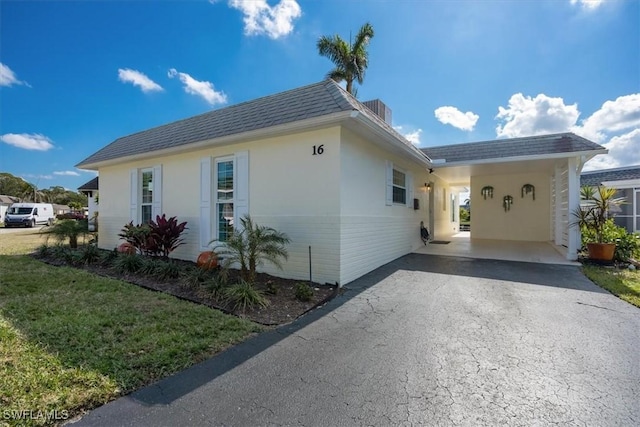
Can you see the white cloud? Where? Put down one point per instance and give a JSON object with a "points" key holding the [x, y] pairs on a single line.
{"points": [[588, 4], [526, 116], [613, 116], [8, 77], [27, 141], [624, 150], [411, 136], [127, 75], [456, 118], [66, 173], [201, 88], [272, 21], [30, 175]]}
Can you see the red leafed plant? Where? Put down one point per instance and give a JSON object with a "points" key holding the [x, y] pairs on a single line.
{"points": [[166, 234], [156, 238]]}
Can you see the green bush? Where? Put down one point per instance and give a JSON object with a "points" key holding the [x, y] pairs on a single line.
{"points": [[60, 252], [304, 292], [194, 277], [107, 258], [89, 254], [43, 251], [167, 270], [128, 263], [243, 295], [627, 246], [217, 286]]}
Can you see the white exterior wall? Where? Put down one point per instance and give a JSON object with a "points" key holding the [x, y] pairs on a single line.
{"points": [[527, 220], [372, 233], [290, 189]]}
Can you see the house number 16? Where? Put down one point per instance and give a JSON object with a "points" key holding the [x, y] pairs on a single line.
{"points": [[318, 149]]}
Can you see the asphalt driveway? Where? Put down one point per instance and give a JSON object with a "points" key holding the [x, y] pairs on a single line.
{"points": [[424, 340]]}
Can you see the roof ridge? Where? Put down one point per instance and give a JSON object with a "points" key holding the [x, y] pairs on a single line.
{"points": [[498, 140]]}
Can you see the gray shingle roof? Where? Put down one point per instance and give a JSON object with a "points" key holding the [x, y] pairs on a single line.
{"points": [[594, 178], [315, 100], [8, 200], [514, 147], [90, 185]]}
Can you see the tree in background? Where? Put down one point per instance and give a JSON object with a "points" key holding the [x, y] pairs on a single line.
{"points": [[11, 185], [351, 60]]}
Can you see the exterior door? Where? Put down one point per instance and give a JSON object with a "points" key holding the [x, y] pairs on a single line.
{"points": [[432, 210]]}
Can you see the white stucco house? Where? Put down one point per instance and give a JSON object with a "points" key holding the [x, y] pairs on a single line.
{"points": [[333, 174]]}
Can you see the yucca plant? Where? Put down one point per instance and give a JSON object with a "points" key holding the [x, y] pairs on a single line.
{"points": [[243, 295], [594, 212], [250, 246]]}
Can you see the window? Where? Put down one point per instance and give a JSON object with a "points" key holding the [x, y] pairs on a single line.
{"points": [[224, 197], [146, 192], [399, 187]]}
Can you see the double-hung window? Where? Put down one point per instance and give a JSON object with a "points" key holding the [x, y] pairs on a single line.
{"points": [[146, 195], [399, 184], [399, 187], [224, 197]]}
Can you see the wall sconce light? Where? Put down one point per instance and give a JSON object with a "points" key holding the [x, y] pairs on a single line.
{"points": [[427, 186]]}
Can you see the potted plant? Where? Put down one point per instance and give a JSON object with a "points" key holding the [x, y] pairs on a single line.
{"points": [[592, 216]]}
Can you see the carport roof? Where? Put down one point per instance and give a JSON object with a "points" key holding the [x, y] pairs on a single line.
{"points": [[534, 146], [594, 178]]}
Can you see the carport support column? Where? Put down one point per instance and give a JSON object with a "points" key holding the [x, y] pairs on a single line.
{"points": [[573, 189], [557, 194]]}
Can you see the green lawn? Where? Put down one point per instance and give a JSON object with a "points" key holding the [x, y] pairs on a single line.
{"points": [[624, 284], [71, 340]]}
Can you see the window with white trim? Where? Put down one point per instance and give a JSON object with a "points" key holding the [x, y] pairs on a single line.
{"points": [[224, 197], [146, 195], [399, 187]]}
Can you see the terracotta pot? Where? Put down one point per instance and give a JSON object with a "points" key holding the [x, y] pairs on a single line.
{"points": [[127, 248], [601, 251], [207, 260]]}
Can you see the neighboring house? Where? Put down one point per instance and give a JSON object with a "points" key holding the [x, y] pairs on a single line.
{"points": [[627, 181], [5, 202], [348, 189], [90, 189], [60, 209]]}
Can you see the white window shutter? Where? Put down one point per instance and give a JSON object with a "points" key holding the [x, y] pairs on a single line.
{"points": [[156, 209], [241, 180], [409, 185], [389, 193], [133, 196], [205, 203]]}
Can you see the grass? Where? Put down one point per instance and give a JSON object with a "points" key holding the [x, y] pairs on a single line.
{"points": [[71, 340], [624, 284]]}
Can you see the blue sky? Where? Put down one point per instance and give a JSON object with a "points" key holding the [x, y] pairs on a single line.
{"points": [[74, 76]]}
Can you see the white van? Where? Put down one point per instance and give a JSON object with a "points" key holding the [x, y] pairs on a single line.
{"points": [[29, 215]]}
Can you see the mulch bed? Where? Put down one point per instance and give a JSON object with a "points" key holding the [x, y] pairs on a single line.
{"points": [[283, 306]]}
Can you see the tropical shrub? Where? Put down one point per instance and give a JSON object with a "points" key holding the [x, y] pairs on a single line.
{"points": [[165, 234], [194, 277], [138, 236], [304, 292], [243, 295], [43, 251], [67, 229], [250, 246], [157, 238], [592, 216], [108, 257]]}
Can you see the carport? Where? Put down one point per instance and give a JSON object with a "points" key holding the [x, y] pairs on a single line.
{"points": [[521, 190]]}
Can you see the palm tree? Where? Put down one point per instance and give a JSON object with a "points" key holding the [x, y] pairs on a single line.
{"points": [[351, 60], [250, 246]]}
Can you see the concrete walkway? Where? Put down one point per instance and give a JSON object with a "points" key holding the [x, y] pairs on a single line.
{"points": [[424, 340]]}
